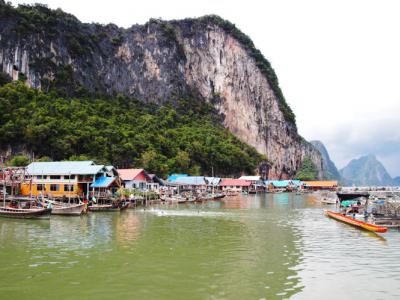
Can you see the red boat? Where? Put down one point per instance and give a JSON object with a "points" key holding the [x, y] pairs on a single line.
{"points": [[360, 224]]}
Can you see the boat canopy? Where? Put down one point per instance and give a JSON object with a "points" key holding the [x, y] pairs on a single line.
{"points": [[347, 203]]}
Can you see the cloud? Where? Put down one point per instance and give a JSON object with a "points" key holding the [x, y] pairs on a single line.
{"points": [[376, 134]]}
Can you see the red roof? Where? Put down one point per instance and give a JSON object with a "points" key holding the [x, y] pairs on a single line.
{"points": [[133, 174], [234, 182]]}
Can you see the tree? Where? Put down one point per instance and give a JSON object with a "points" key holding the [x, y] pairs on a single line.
{"points": [[123, 132], [19, 161], [44, 159], [307, 171]]}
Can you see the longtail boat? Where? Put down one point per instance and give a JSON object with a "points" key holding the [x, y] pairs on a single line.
{"points": [[351, 195], [21, 213], [328, 201], [360, 224], [107, 207], [68, 210]]}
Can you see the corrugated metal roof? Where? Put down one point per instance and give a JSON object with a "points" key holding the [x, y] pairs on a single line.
{"points": [[283, 183], [130, 174], [103, 182], [321, 183], [174, 177], [213, 180], [191, 180], [250, 178], [234, 182], [297, 182], [64, 168], [279, 183]]}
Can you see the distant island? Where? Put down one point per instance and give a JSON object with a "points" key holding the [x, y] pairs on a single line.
{"points": [[366, 171]]}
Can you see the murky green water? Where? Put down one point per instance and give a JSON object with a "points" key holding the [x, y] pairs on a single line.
{"points": [[259, 247]]}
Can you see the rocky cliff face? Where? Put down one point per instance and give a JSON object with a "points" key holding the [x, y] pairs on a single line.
{"points": [[331, 172], [207, 59], [366, 171]]}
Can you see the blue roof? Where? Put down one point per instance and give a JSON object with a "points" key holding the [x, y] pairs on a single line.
{"points": [[174, 177], [103, 182], [191, 180], [64, 168], [297, 182], [280, 183], [213, 180], [283, 183]]}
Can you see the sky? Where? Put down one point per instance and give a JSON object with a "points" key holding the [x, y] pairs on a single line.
{"points": [[338, 62]]}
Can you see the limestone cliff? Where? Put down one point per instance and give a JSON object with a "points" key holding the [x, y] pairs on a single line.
{"points": [[330, 170], [207, 59], [366, 171]]}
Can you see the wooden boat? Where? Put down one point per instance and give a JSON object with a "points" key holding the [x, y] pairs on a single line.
{"points": [[351, 195], [21, 213], [328, 201], [68, 210], [359, 224], [107, 207], [232, 193], [218, 196]]}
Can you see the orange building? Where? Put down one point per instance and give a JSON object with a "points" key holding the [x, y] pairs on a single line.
{"points": [[320, 185], [64, 178]]}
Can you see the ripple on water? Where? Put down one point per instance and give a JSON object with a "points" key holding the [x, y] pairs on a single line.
{"points": [[355, 263], [261, 247]]}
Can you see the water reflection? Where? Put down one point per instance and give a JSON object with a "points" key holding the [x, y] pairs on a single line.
{"points": [[127, 228], [251, 247], [238, 201]]}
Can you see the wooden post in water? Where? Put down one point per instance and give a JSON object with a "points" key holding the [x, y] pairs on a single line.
{"points": [[4, 189], [69, 188]]}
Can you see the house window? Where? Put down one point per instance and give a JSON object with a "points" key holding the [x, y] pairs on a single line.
{"points": [[54, 187], [68, 187], [40, 187], [55, 177], [39, 177]]}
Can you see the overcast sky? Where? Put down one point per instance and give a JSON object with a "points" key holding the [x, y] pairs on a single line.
{"points": [[338, 62]]}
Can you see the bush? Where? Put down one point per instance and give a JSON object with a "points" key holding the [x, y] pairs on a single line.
{"points": [[19, 161]]}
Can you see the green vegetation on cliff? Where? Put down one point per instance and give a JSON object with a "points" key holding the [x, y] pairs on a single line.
{"points": [[307, 171], [122, 131]]}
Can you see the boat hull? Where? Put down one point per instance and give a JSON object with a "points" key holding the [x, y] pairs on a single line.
{"points": [[107, 207], [351, 196], [18, 213], [73, 210], [328, 201], [359, 224]]}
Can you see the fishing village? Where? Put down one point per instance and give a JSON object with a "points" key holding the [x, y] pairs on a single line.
{"points": [[73, 188], [216, 150]]}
